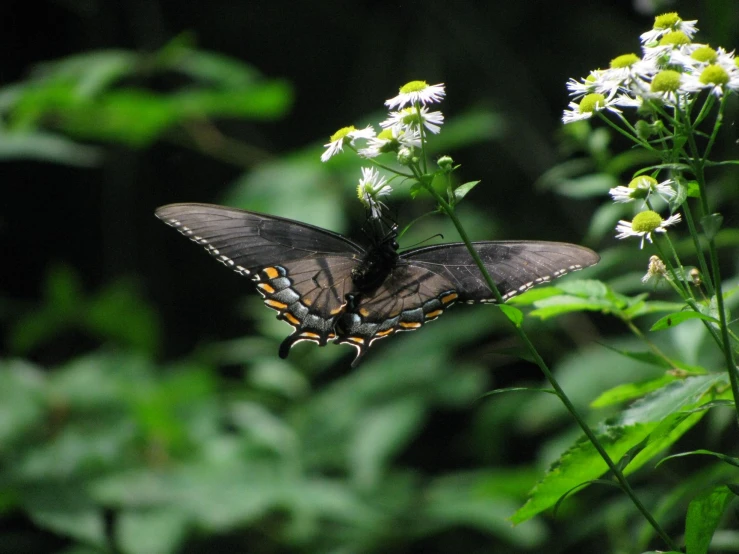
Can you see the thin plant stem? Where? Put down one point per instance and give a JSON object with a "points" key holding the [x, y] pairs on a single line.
{"points": [[618, 474]]}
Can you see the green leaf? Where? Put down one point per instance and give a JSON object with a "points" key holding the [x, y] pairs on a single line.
{"points": [[512, 313], [681, 194], [674, 319], [558, 305], [704, 516], [64, 509], [641, 308], [731, 460], [711, 225], [152, 530], [630, 391], [694, 189], [381, 433], [534, 295], [462, 190], [46, 147], [657, 417], [518, 389]]}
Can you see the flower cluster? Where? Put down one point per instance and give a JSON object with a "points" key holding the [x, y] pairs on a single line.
{"points": [[665, 86], [670, 72], [402, 133]]}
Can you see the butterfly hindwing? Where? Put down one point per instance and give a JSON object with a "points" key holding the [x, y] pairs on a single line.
{"points": [[409, 297], [428, 280], [303, 272]]}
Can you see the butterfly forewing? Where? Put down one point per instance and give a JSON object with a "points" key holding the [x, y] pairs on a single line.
{"points": [[515, 266], [302, 271]]}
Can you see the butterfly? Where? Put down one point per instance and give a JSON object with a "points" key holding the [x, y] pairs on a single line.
{"points": [[330, 288]]}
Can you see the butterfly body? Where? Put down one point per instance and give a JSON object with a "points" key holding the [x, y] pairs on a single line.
{"points": [[330, 288]]}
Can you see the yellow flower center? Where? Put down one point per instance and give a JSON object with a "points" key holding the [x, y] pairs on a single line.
{"points": [[592, 102], [666, 81], [643, 181], [646, 222], [714, 75], [413, 86], [666, 20], [674, 38], [704, 54], [625, 60], [342, 133]]}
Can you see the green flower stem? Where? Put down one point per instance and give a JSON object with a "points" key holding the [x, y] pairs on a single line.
{"points": [[728, 352], [625, 486], [638, 333], [383, 166], [687, 295], [698, 168], [707, 277]]}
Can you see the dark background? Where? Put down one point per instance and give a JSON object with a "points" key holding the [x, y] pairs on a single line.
{"points": [[343, 59]]}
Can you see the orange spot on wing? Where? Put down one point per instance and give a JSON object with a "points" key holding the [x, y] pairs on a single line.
{"points": [[291, 318], [275, 304], [269, 289], [410, 324], [309, 335], [434, 314], [270, 272], [384, 333], [449, 297]]}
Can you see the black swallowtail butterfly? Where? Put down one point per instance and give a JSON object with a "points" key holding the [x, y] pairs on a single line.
{"points": [[330, 288]]}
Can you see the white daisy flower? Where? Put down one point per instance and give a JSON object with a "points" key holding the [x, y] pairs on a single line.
{"points": [[412, 118], [667, 23], [586, 85], [390, 140], [589, 104], [667, 85], [626, 72], [644, 224], [417, 92], [343, 136], [640, 188], [669, 46], [371, 186], [727, 60], [713, 78]]}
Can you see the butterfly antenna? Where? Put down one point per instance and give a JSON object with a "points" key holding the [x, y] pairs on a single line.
{"points": [[439, 235]]}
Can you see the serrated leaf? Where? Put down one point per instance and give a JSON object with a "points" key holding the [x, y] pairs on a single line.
{"points": [[630, 391], [462, 190], [658, 417], [704, 515], [674, 319]]}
